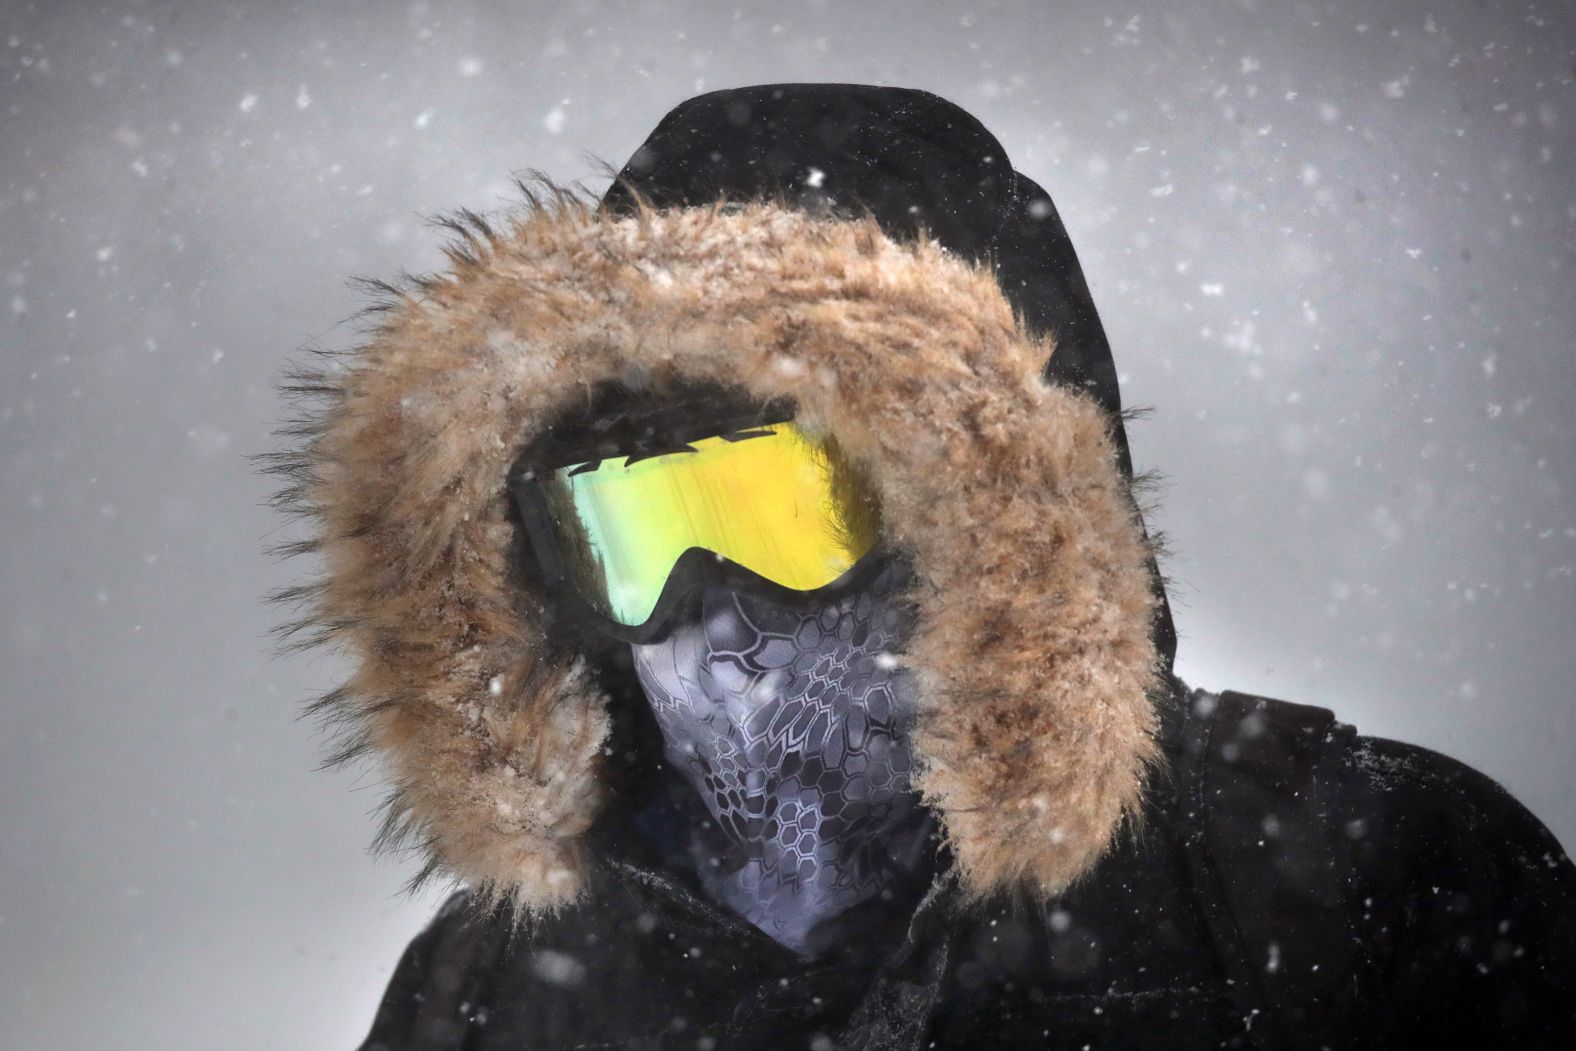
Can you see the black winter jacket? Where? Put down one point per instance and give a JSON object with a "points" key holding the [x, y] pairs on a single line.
{"points": [[1295, 886]]}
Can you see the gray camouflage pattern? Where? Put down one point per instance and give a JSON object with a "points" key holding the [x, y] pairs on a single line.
{"points": [[794, 728]]}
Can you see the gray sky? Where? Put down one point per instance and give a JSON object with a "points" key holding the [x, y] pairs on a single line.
{"points": [[1333, 248]]}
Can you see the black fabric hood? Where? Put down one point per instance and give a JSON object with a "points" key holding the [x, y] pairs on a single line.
{"points": [[912, 161], [1037, 647]]}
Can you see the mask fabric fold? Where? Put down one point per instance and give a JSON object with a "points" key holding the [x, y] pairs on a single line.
{"points": [[793, 727]]}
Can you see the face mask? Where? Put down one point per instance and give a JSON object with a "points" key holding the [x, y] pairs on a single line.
{"points": [[793, 726]]}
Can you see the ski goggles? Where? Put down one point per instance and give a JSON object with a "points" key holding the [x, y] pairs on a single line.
{"points": [[759, 505]]}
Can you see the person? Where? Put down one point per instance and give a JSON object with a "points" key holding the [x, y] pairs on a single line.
{"points": [[768, 640]]}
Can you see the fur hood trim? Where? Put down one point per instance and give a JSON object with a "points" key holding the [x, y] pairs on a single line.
{"points": [[1033, 652]]}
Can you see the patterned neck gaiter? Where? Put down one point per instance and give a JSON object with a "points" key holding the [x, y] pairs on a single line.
{"points": [[794, 727]]}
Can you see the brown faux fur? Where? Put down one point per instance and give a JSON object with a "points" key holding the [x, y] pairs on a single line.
{"points": [[1033, 653]]}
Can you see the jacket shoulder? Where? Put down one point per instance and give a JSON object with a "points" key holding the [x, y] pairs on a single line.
{"points": [[428, 1000], [1428, 794], [1466, 901], [1413, 815], [1385, 795], [597, 971], [1451, 906]]}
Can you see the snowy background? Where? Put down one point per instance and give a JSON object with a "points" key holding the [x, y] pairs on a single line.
{"points": [[1333, 246]]}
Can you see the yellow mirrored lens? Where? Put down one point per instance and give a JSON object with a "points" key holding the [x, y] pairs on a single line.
{"points": [[782, 505]]}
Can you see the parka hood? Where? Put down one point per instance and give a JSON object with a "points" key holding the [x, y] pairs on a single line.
{"points": [[866, 253]]}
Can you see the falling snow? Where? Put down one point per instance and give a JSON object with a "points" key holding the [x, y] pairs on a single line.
{"points": [[1334, 255]]}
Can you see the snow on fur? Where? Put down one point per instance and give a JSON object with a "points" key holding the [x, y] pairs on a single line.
{"points": [[1033, 651]]}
